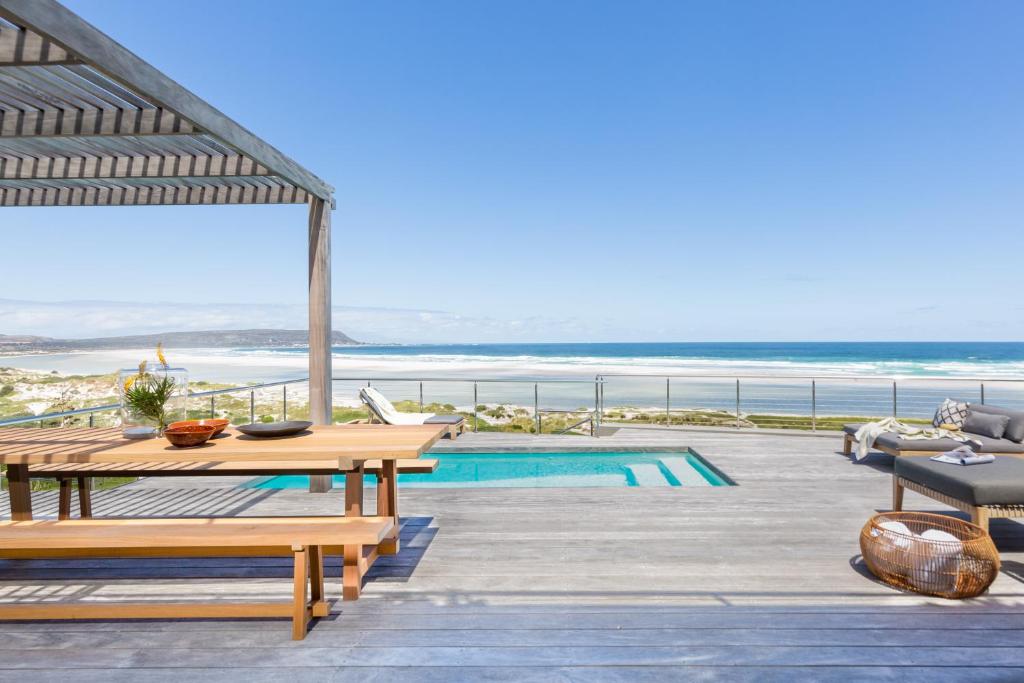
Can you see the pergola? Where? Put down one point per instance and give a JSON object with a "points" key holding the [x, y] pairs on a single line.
{"points": [[85, 122]]}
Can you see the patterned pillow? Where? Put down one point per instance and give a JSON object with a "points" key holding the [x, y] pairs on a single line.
{"points": [[950, 413]]}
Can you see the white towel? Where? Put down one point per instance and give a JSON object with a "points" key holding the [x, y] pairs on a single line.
{"points": [[866, 435], [939, 561], [894, 536]]}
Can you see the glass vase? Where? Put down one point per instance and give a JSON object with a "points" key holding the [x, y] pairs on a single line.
{"points": [[149, 418]]}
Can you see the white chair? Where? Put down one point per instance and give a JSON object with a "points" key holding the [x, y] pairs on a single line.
{"points": [[383, 410]]}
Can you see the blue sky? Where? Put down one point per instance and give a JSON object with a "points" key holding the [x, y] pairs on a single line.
{"points": [[576, 171]]}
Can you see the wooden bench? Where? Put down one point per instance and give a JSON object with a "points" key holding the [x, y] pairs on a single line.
{"points": [[304, 537], [66, 473]]}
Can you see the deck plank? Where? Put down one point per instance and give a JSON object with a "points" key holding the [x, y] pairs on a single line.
{"points": [[761, 581]]}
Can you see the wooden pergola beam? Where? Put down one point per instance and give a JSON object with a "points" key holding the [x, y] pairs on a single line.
{"points": [[154, 195], [19, 47], [52, 20], [91, 122], [115, 167]]}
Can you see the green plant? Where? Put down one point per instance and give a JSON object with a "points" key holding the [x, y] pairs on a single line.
{"points": [[147, 394]]}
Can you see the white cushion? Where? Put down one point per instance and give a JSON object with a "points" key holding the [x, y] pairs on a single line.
{"points": [[951, 413]]}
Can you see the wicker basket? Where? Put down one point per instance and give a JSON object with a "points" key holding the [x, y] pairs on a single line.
{"points": [[961, 568]]}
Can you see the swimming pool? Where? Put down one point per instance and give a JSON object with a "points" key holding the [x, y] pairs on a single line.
{"points": [[549, 469]]}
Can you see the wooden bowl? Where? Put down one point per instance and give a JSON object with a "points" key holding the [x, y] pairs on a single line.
{"points": [[186, 436], [218, 424]]}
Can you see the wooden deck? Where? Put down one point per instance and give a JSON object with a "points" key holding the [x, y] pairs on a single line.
{"points": [[758, 582]]}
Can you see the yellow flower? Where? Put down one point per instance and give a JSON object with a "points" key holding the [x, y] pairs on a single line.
{"points": [[129, 382], [160, 354]]}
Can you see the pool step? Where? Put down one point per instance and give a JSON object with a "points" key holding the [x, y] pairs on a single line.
{"points": [[682, 470], [647, 474]]}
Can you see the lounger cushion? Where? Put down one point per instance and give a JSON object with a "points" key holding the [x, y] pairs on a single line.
{"points": [[1014, 429], [852, 429], [996, 483], [986, 424], [930, 445], [988, 445], [444, 420]]}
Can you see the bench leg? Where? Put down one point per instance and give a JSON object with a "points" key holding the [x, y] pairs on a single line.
{"points": [[316, 581], [897, 494], [979, 516], [64, 499], [300, 610], [84, 498], [847, 444], [351, 573]]}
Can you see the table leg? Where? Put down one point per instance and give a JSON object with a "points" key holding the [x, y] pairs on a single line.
{"points": [[20, 492], [354, 492], [387, 504], [85, 497]]}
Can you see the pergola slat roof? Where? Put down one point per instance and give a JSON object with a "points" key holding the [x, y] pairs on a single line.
{"points": [[84, 122]]}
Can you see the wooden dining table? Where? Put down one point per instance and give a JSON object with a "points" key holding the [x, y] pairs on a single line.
{"points": [[321, 450]]}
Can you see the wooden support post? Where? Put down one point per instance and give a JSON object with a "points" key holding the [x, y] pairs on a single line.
{"points": [[320, 409], [897, 494]]}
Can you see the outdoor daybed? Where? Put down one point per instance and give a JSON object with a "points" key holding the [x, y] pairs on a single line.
{"points": [[1011, 443], [383, 410], [995, 489]]}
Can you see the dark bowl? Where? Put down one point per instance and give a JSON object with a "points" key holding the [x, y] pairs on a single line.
{"points": [[270, 429], [218, 424], [186, 436]]}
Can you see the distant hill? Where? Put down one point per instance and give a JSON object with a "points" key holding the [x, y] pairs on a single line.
{"points": [[172, 340]]}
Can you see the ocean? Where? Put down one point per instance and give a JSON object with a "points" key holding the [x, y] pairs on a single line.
{"points": [[843, 378]]}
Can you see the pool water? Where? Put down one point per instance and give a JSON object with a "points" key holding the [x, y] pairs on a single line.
{"points": [[563, 469]]}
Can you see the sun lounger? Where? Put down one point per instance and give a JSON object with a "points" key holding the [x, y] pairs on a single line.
{"points": [[896, 446], [382, 409], [995, 489]]}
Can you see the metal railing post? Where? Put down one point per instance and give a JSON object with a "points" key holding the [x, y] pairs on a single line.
{"points": [[894, 405], [213, 407], [668, 401], [595, 423], [284, 403], [737, 404], [536, 406], [982, 393], [421, 397], [476, 418], [252, 406], [92, 420], [814, 406]]}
